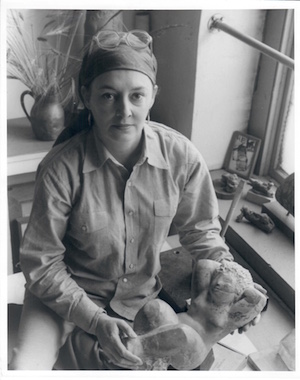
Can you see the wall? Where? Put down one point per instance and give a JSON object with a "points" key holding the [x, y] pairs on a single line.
{"points": [[14, 91], [206, 79], [176, 51], [226, 72]]}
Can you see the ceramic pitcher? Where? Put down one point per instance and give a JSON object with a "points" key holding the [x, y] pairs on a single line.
{"points": [[46, 116]]}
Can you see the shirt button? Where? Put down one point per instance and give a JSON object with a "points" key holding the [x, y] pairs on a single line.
{"points": [[130, 213], [125, 279], [132, 240], [131, 266], [84, 227], [129, 183]]}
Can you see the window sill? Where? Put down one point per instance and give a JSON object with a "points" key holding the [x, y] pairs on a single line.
{"points": [[271, 256]]}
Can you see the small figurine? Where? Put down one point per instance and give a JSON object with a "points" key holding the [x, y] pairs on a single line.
{"points": [[262, 221], [260, 187], [229, 182]]}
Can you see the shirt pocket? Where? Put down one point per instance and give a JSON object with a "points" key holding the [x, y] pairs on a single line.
{"points": [[91, 222], [164, 212], [89, 232]]}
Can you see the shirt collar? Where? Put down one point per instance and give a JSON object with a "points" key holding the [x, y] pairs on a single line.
{"points": [[96, 153], [153, 149]]}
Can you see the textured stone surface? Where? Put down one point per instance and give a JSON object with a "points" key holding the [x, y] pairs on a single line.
{"points": [[224, 298], [164, 341]]}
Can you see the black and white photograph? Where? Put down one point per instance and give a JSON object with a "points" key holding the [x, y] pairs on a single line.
{"points": [[148, 175], [242, 154]]}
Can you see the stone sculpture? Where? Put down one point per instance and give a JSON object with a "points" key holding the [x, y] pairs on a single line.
{"points": [[262, 221], [223, 299], [229, 182], [260, 187]]}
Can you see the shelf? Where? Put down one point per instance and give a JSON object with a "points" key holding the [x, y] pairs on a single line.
{"points": [[24, 151]]}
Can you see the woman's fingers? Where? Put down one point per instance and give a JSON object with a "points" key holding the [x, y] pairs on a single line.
{"points": [[115, 348], [256, 320], [124, 355], [260, 288]]}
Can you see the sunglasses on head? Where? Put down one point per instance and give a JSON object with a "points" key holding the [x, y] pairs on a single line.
{"points": [[110, 39]]}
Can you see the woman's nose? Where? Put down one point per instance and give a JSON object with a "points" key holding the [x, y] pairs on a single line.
{"points": [[123, 108]]}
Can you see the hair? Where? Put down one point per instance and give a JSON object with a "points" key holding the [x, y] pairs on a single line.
{"points": [[240, 274]]}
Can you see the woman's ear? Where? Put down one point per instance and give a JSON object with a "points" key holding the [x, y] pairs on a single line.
{"points": [[85, 95], [155, 89]]}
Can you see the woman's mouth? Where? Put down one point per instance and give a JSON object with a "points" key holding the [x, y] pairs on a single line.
{"points": [[120, 126]]}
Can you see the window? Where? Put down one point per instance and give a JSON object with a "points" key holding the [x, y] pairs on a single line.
{"points": [[272, 114], [287, 151], [283, 163]]}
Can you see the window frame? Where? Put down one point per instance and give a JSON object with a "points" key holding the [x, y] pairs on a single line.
{"points": [[272, 92], [275, 171]]}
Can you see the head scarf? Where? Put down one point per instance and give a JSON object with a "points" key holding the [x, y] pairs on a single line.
{"points": [[123, 57]]}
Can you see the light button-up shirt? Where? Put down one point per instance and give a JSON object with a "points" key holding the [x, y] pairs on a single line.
{"points": [[95, 231]]}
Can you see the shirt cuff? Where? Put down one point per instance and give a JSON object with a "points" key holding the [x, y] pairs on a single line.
{"points": [[86, 315]]}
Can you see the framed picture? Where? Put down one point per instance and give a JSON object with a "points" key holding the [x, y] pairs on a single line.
{"points": [[242, 154]]}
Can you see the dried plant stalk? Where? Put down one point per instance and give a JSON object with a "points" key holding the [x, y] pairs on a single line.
{"points": [[44, 64]]}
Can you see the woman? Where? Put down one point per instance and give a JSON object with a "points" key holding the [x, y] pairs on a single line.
{"points": [[104, 202]]}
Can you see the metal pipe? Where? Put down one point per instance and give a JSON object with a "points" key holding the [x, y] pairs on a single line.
{"points": [[217, 23]]}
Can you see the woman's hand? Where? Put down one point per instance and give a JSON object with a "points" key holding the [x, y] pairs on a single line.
{"points": [[110, 332], [257, 318]]}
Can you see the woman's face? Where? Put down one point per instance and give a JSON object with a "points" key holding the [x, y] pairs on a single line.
{"points": [[120, 101]]}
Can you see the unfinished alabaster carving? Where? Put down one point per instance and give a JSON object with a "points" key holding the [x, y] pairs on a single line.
{"points": [[223, 299], [262, 221], [230, 182], [260, 187], [161, 343]]}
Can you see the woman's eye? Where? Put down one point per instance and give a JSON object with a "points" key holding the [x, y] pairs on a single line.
{"points": [[137, 96], [108, 96]]}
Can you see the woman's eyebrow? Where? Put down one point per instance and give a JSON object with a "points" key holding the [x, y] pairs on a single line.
{"points": [[105, 87], [108, 87], [138, 88]]}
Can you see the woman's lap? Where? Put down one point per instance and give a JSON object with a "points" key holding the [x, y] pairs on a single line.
{"points": [[41, 335]]}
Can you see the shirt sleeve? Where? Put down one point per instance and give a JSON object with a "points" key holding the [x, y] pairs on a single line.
{"points": [[42, 255], [197, 217]]}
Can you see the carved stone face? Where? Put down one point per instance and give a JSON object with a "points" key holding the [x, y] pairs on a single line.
{"points": [[223, 295], [228, 282], [223, 287]]}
